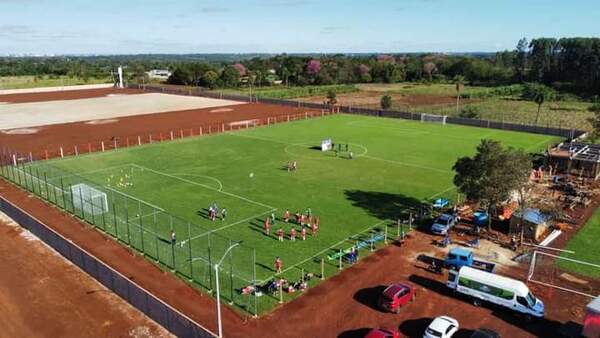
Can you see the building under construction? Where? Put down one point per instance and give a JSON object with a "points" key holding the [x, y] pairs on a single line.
{"points": [[576, 158]]}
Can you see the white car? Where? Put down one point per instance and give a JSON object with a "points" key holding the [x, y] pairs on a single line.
{"points": [[441, 327]]}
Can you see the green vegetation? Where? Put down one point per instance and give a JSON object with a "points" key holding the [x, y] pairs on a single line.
{"points": [[356, 199], [19, 82], [280, 92], [585, 245]]}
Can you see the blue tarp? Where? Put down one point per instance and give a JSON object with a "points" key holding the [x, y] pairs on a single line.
{"points": [[440, 203], [534, 216]]}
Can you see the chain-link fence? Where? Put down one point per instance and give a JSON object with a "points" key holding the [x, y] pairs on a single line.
{"points": [[188, 250]]}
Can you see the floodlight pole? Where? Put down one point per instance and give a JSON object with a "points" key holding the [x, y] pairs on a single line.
{"points": [[219, 322]]}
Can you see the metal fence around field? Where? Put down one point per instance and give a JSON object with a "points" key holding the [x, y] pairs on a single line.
{"points": [[165, 315], [196, 91], [145, 228]]}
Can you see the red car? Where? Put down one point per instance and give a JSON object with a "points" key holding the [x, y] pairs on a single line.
{"points": [[395, 296], [383, 333]]}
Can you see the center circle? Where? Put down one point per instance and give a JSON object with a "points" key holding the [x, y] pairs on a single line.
{"points": [[313, 150]]}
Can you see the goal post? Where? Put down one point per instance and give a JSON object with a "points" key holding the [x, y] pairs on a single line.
{"points": [[564, 273], [432, 118], [89, 199]]}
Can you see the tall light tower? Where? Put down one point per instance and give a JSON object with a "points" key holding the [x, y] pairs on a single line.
{"points": [[120, 77]]}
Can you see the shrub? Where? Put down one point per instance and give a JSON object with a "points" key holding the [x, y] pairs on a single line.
{"points": [[470, 112], [386, 102]]}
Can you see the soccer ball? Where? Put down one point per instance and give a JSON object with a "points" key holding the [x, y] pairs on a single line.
{"points": [[251, 175]]}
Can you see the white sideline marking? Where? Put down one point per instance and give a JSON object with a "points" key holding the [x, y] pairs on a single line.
{"points": [[406, 164], [318, 253], [226, 226], [134, 198], [205, 186]]}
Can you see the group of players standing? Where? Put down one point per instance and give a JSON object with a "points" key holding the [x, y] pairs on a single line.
{"points": [[304, 220]]}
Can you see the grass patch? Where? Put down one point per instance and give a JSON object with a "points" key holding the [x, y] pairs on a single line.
{"points": [[280, 92], [22, 82], [585, 245]]}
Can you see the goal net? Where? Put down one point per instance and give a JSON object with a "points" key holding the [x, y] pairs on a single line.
{"points": [[433, 118], [89, 199], [564, 273]]}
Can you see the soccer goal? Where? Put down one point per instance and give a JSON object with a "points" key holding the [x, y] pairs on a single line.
{"points": [[89, 199], [563, 273], [433, 118]]}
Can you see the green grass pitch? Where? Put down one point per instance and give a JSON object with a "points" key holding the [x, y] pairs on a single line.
{"points": [[396, 163]]}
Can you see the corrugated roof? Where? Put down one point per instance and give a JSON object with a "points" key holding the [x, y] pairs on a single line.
{"points": [[534, 216], [594, 305]]}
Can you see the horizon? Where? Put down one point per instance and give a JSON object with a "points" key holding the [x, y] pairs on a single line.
{"points": [[68, 28]]}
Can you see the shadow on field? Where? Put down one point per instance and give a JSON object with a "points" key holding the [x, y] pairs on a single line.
{"points": [[384, 205], [369, 296], [357, 333]]}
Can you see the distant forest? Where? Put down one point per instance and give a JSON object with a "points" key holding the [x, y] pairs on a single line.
{"points": [[567, 64]]}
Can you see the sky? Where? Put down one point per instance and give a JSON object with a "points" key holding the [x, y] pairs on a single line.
{"points": [[293, 26]]}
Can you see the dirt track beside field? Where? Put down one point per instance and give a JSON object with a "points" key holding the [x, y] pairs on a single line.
{"points": [[42, 295]]}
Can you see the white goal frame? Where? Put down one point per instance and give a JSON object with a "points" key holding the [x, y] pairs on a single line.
{"points": [[530, 274], [89, 199], [432, 118]]}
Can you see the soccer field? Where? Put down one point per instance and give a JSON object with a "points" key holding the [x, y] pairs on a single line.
{"points": [[154, 188]]}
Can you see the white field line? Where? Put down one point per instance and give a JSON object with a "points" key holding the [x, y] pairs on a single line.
{"points": [[319, 253], [406, 164], [205, 186], [226, 226], [135, 198], [362, 155], [442, 192], [204, 176]]}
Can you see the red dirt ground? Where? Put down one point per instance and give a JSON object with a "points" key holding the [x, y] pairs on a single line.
{"points": [[41, 295], [127, 129], [342, 306], [65, 95]]}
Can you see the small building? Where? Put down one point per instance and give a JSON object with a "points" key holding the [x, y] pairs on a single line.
{"points": [[576, 158], [535, 224], [161, 74]]}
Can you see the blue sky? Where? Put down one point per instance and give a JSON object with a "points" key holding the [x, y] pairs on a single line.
{"points": [[240, 26]]}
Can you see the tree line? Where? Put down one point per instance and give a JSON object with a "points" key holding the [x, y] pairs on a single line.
{"points": [[567, 64]]}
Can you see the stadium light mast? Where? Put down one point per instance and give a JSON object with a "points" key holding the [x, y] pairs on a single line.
{"points": [[219, 322]]}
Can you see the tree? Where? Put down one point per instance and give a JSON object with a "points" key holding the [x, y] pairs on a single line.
{"points": [[386, 102], [429, 68], [230, 77], [331, 97], [459, 82], [520, 61], [210, 79], [540, 94], [470, 112], [595, 121], [491, 174]]}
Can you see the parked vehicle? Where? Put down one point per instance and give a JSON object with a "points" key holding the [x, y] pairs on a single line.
{"points": [[441, 327], [591, 323], [459, 257], [383, 333], [395, 296], [485, 333], [483, 286], [442, 224]]}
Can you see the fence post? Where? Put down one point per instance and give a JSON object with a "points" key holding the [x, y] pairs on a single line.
{"points": [[127, 223], [62, 153], [322, 268], [190, 252], [231, 273], [62, 188], [127, 141], [200, 130], [76, 151], [101, 145], [171, 135], [341, 254], [46, 152], [223, 125], [115, 143], [181, 132], [172, 245]]}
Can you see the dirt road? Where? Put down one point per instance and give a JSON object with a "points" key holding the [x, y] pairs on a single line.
{"points": [[42, 295]]}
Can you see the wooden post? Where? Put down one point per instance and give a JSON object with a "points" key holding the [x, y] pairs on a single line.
{"points": [[171, 135], [280, 291], [322, 268], [76, 151], [62, 153], [127, 142], [139, 140], [89, 147], [200, 131], [102, 145]]}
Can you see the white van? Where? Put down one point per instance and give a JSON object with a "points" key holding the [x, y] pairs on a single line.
{"points": [[489, 287]]}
